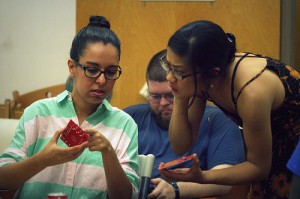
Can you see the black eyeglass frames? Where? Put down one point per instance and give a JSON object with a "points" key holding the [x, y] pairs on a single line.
{"points": [[111, 73], [168, 67]]}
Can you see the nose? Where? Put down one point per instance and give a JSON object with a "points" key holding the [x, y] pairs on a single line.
{"points": [[101, 79], [170, 76], [163, 101]]}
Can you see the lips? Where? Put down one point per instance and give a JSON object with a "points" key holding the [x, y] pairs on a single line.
{"points": [[172, 87], [166, 112], [98, 93]]}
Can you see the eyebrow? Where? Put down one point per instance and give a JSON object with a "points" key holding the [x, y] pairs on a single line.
{"points": [[93, 64], [175, 65], [153, 93]]}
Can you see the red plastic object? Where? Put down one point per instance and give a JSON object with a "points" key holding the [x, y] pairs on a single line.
{"points": [[176, 162], [57, 196], [73, 135]]}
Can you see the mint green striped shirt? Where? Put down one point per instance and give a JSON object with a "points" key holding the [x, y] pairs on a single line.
{"points": [[83, 177]]}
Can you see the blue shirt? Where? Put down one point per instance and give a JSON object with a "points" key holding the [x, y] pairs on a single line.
{"points": [[294, 162], [220, 140]]}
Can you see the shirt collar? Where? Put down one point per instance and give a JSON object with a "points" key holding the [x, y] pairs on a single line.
{"points": [[67, 95]]}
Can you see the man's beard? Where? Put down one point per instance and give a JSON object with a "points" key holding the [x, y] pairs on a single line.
{"points": [[162, 122]]}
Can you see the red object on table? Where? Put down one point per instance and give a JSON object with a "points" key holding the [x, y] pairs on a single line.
{"points": [[73, 135], [57, 196], [176, 162]]}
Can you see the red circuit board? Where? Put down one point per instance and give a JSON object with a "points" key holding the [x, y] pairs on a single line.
{"points": [[73, 135]]}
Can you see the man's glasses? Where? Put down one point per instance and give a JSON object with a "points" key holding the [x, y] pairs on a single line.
{"points": [[167, 66], [111, 73], [157, 97]]}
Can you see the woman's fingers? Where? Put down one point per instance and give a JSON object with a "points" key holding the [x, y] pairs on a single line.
{"points": [[57, 135]]}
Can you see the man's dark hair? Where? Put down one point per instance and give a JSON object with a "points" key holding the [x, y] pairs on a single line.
{"points": [[155, 71]]}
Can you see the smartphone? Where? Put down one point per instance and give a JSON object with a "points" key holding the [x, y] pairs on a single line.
{"points": [[176, 163]]}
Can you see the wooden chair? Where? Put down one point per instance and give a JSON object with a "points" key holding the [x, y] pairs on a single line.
{"points": [[5, 109], [20, 102]]}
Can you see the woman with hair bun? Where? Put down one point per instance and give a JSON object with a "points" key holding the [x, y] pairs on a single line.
{"points": [[259, 93], [38, 162]]}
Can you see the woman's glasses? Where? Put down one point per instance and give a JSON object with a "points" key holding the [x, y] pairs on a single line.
{"points": [[112, 73], [167, 66]]}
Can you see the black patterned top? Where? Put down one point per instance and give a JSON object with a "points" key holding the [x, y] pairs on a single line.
{"points": [[285, 124]]}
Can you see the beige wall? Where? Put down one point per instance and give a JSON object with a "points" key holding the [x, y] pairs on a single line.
{"points": [[145, 27], [35, 41]]}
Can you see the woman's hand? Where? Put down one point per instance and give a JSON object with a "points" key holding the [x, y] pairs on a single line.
{"points": [[53, 154], [98, 142], [193, 174], [162, 189]]}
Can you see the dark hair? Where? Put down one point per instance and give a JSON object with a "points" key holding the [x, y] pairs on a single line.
{"points": [[204, 45], [98, 30], [155, 71]]}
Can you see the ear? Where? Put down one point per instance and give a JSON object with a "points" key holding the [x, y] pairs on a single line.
{"points": [[72, 67]]}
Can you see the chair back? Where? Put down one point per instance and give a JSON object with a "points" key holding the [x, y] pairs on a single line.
{"points": [[20, 102], [5, 109]]}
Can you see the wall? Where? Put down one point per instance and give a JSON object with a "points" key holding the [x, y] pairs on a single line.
{"points": [[144, 29], [35, 38]]}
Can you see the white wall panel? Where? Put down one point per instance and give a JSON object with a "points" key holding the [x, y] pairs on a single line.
{"points": [[35, 39]]}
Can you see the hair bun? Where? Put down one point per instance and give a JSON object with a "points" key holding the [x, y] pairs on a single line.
{"points": [[99, 21]]}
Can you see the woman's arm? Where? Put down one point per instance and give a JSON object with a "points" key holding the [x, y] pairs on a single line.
{"points": [[118, 184], [254, 108], [189, 189], [14, 175], [185, 122], [255, 105], [256, 167], [195, 190]]}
